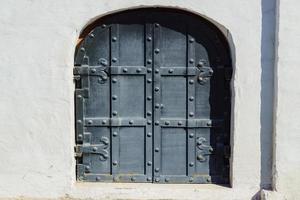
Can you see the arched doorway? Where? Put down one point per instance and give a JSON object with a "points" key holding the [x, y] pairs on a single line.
{"points": [[153, 99]]}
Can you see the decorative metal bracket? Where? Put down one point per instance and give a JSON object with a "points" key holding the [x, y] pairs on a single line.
{"points": [[205, 150], [205, 72]]}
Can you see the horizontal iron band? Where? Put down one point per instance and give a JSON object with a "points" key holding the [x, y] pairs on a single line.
{"points": [[191, 123], [113, 70], [115, 122]]}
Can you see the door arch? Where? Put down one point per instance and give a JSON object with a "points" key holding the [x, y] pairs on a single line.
{"points": [[153, 99]]}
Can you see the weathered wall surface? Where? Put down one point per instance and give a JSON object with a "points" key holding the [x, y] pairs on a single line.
{"points": [[38, 40]]}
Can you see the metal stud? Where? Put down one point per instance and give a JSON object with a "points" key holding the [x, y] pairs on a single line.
{"points": [[156, 50], [149, 70], [191, 179], [167, 179], [156, 89], [191, 135], [149, 178], [209, 123], [125, 70], [156, 71], [201, 158], [103, 26], [191, 164], [114, 39], [131, 122], [149, 38], [149, 113], [149, 61], [162, 106], [149, 98], [191, 61], [79, 121], [180, 123], [149, 134], [98, 178], [115, 113], [156, 123], [157, 105], [95, 149], [93, 70], [149, 122], [80, 136], [191, 114], [191, 98], [156, 149], [115, 134], [115, 179], [156, 25], [167, 123], [191, 40], [87, 168], [82, 49], [149, 80], [90, 122], [114, 80], [114, 97], [208, 179], [171, 71], [149, 163], [157, 179], [115, 163], [79, 96], [104, 121], [156, 170], [114, 59], [132, 178], [191, 82], [91, 35], [138, 70]]}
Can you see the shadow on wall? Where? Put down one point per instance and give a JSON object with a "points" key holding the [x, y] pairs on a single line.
{"points": [[268, 22]]}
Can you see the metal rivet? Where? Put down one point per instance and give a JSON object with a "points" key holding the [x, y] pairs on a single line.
{"points": [[115, 134], [156, 123], [156, 149], [156, 71], [156, 89], [114, 97], [191, 60], [115, 179], [149, 134], [156, 25], [125, 70], [208, 179], [156, 51], [149, 38], [82, 49], [114, 59], [139, 70], [114, 39], [149, 178], [149, 70], [191, 164], [191, 40], [93, 70], [156, 170], [95, 149], [149, 163], [167, 122], [191, 82], [79, 121], [149, 80], [200, 158], [79, 96], [103, 26], [149, 113], [191, 135], [80, 136], [191, 114], [162, 106], [90, 122], [114, 80], [87, 167], [180, 123], [104, 121], [157, 180], [191, 179], [201, 63], [171, 71], [149, 122], [208, 123], [131, 122], [132, 178], [115, 163], [167, 179], [149, 98], [157, 105], [115, 113], [149, 61], [191, 98], [98, 178]]}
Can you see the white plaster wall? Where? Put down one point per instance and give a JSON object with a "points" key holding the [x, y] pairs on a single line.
{"points": [[287, 132], [38, 38]]}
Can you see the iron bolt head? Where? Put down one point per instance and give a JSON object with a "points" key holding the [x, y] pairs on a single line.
{"points": [[82, 49], [114, 39], [167, 179], [139, 70], [209, 124], [114, 59], [132, 178], [156, 170], [149, 122], [149, 134], [156, 89], [91, 35], [149, 80], [156, 149], [191, 135], [157, 105], [95, 149], [201, 158], [149, 113], [191, 114], [191, 40], [191, 98], [208, 179], [114, 80], [93, 70], [149, 61], [114, 97], [80, 136], [156, 24], [156, 71], [180, 123], [149, 38], [79, 121], [131, 122], [157, 179], [156, 50], [103, 26], [104, 121], [167, 123], [125, 70], [115, 113], [90, 122], [191, 61], [171, 71], [191, 179], [149, 163], [149, 178], [149, 98], [191, 164], [115, 179], [115, 163], [149, 70], [79, 96], [191, 82], [98, 178], [115, 134], [156, 123], [162, 106]]}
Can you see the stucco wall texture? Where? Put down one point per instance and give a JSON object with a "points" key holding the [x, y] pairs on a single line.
{"points": [[38, 39]]}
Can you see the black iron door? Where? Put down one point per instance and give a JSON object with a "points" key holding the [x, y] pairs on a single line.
{"points": [[152, 99]]}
